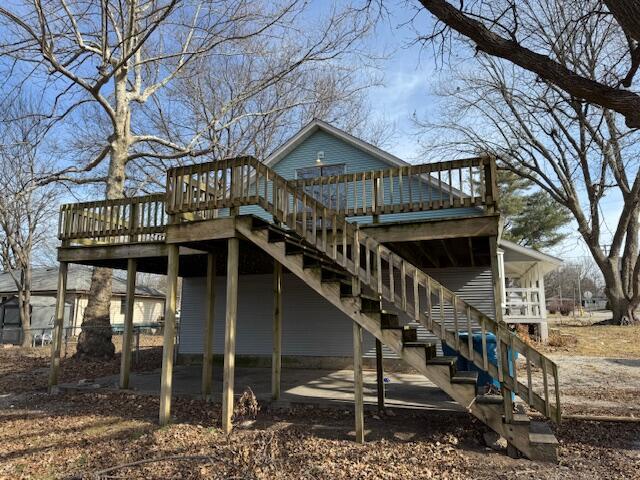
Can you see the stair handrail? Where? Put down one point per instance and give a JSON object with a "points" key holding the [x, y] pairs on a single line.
{"points": [[243, 181]]}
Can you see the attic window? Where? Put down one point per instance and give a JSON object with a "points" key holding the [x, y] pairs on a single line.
{"points": [[333, 196], [320, 171]]}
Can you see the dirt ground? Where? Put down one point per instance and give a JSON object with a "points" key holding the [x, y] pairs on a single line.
{"points": [[115, 435], [599, 368]]}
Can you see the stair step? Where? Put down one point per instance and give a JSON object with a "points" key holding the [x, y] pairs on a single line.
{"points": [[369, 304], [294, 248], [541, 433], [518, 419], [489, 399], [409, 334], [389, 320], [346, 289], [429, 348], [328, 274], [258, 223], [311, 261], [443, 360], [278, 235], [466, 376]]}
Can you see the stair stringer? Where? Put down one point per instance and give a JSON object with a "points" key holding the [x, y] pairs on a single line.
{"points": [[463, 394]]}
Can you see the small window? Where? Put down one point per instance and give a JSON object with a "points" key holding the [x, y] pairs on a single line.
{"points": [[123, 306], [320, 171], [333, 196]]}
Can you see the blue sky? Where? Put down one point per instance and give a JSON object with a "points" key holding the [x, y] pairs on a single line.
{"points": [[409, 75]]}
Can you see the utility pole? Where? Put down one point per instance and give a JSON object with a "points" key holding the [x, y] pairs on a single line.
{"points": [[580, 288]]}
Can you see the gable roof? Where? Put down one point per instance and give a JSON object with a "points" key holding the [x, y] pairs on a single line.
{"points": [[45, 280], [319, 125]]}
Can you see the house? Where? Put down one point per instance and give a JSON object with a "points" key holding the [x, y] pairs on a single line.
{"points": [[328, 252], [148, 306]]}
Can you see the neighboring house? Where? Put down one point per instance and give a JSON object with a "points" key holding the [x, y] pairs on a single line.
{"points": [[293, 259], [149, 304], [523, 300]]}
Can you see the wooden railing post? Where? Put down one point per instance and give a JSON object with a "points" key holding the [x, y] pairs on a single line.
{"points": [[491, 183], [133, 221]]}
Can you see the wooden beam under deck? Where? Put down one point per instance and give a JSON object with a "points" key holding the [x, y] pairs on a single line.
{"points": [[458, 227], [85, 254], [202, 230]]}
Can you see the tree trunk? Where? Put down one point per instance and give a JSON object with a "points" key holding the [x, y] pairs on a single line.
{"points": [[622, 310], [24, 306], [95, 338]]}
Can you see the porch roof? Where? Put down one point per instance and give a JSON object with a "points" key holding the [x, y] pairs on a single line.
{"points": [[518, 259]]}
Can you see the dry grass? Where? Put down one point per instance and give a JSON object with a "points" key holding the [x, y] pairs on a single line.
{"points": [[597, 341]]}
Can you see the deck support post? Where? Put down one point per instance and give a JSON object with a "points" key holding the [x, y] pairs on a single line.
{"points": [[58, 329], [503, 355], [276, 359], [207, 354], [357, 380], [380, 376], [230, 334], [127, 337], [168, 344]]}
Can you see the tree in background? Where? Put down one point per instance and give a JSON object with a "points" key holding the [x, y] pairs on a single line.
{"points": [[531, 34], [577, 152], [531, 218], [109, 68], [27, 210]]}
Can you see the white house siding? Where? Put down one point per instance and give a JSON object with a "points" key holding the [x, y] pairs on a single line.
{"points": [[311, 325], [145, 310]]}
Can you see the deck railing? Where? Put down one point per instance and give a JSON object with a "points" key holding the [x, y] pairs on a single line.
{"points": [[522, 303], [246, 181], [458, 183], [124, 220]]}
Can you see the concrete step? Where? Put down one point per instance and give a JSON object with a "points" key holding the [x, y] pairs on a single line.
{"points": [[544, 444]]}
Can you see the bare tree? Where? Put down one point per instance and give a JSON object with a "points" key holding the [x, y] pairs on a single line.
{"points": [[228, 102], [579, 153], [119, 59], [26, 208], [517, 31]]}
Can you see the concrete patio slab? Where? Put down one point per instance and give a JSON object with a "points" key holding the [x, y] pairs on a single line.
{"points": [[299, 386]]}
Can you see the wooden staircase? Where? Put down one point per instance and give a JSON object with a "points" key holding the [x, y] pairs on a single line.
{"points": [[380, 291], [336, 285]]}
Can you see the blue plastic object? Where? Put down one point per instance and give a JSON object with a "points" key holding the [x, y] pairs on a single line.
{"points": [[463, 364]]}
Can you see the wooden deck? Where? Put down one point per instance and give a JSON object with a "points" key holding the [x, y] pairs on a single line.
{"points": [[195, 228], [197, 208]]}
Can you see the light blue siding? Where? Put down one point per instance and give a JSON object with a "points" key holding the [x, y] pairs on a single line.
{"points": [[356, 160]]}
